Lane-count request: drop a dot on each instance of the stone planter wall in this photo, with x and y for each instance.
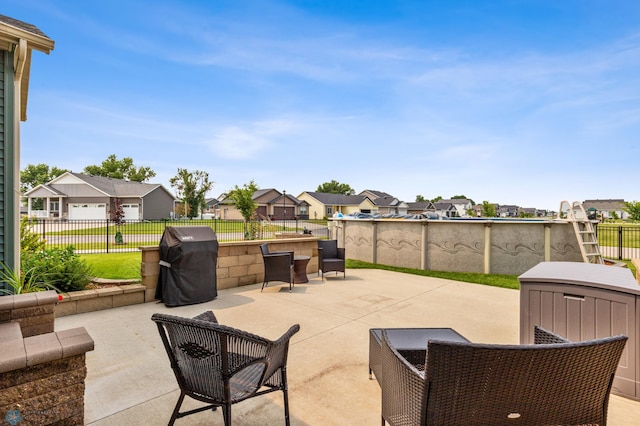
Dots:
(42, 372)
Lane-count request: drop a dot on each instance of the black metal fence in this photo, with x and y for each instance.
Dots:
(104, 236)
(619, 242)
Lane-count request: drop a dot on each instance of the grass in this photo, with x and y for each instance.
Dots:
(117, 266)
(504, 281)
(127, 266)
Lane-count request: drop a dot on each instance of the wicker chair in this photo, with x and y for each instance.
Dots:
(220, 365)
(551, 382)
(330, 257)
(278, 266)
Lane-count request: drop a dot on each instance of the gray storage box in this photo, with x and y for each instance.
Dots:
(583, 301)
(188, 261)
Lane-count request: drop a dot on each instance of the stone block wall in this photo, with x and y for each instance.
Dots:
(42, 372)
(239, 262)
(51, 393)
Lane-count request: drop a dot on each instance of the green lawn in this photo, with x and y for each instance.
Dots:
(118, 266)
(127, 266)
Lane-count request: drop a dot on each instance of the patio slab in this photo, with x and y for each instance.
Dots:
(130, 381)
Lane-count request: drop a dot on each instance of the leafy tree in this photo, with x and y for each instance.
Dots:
(633, 208)
(243, 199)
(34, 175)
(191, 188)
(335, 187)
(120, 169)
(488, 209)
(420, 199)
(435, 200)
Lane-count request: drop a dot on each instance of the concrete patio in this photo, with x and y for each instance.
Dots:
(130, 381)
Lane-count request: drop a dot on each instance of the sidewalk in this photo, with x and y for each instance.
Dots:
(130, 381)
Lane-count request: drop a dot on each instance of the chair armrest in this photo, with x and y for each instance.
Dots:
(280, 254)
(341, 253)
(403, 387)
(545, 337)
(278, 349)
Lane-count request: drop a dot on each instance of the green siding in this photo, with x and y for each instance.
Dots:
(8, 229)
(3, 57)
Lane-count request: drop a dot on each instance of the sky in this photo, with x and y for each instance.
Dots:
(525, 102)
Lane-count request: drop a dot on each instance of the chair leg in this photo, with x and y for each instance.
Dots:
(263, 284)
(285, 393)
(226, 413)
(176, 410)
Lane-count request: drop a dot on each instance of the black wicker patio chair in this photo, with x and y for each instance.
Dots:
(278, 266)
(221, 365)
(551, 382)
(331, 257)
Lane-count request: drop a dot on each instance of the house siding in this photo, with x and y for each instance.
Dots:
(2, 156)
(8, 254)
(157, 205)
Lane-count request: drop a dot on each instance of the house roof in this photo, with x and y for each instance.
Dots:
(337, 199)
(456, 201)
(377, 194)
(110, 187)
(24, 37)
(610, 204)
(422, 205)
(443, 205)
(118, 187)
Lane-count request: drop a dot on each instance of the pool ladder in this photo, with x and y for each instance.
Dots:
(583, 227)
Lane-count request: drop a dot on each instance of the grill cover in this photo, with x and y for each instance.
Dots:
(188, 259)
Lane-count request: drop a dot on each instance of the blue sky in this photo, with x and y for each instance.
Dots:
(523, 102)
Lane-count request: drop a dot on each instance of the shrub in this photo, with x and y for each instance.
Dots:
(57, 267)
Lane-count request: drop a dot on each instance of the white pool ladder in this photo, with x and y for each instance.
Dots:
(585, 233)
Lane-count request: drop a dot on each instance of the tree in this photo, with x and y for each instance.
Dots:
(120, 169)
(32, 176)
(243, 199)
(420, 199)
(435, 200)
(335, 187)
(488, 209)
(191, 188)
(633, 208)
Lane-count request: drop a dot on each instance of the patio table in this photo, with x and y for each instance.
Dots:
(409, 342)
(300, 269)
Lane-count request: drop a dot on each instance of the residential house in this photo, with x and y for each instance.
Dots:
(606, 209)
(385, 203)
(462, 206)
(18, 40)
(419, 207)
(508, 210)
(445, 209)
(77, 196)
(322, 204)
(272, 204)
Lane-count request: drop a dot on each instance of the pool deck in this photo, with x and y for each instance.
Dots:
(130, 382)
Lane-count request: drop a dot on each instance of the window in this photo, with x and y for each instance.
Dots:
(329, 211)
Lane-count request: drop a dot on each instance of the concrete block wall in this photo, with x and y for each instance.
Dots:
(239, 262)
(42, 372)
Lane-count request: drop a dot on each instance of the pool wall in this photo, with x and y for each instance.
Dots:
(482, 246)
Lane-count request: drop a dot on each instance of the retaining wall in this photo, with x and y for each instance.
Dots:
(481, 246)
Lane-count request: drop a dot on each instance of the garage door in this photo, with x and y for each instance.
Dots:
(87, 211)
(131, 211)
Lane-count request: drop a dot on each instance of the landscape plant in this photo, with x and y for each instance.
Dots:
(243, 199)
(20, 282)
(60, 268)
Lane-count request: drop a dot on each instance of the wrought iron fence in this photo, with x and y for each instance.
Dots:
(104, 236)
(619, 242)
